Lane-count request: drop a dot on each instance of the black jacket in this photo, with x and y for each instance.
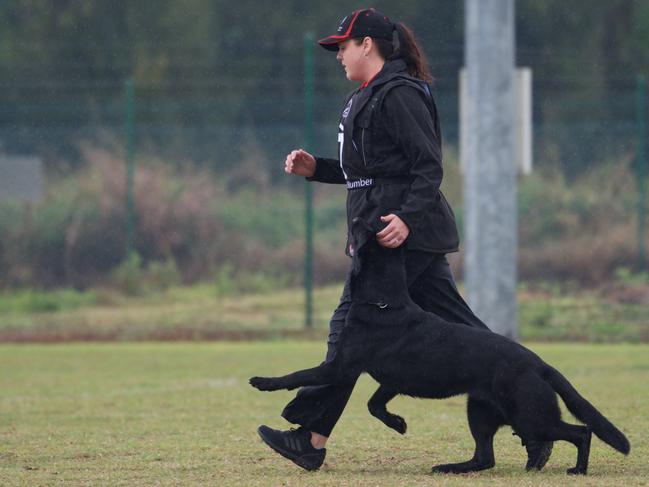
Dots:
(390, 146)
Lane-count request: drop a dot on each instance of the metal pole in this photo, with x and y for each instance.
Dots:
(308, 189)
(130, 149)
(490, 181)
(641, 166)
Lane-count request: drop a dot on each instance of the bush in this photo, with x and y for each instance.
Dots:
(28, 301)
(160, 276)
(191, 227)
(131, 277)
(127, 277)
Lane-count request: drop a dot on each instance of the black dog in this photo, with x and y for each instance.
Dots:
(412, 352)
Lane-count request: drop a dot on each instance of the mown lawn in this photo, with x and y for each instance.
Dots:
(545, 313)
(137, 414)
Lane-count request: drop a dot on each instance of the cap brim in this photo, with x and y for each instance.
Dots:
(331, 43)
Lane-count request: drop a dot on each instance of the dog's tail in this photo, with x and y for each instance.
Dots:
(585, 411)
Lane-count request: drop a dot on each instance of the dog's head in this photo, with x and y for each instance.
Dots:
(378, 273)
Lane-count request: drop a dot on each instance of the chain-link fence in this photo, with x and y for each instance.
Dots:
(233, 124)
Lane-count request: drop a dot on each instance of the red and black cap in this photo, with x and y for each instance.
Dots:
(359, 24)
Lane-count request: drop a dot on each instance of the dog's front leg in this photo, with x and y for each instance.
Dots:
(376, 405)
(323, 374)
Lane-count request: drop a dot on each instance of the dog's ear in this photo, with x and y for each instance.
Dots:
(361, 233)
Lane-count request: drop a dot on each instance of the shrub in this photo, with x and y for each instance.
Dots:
(191, 226)
(127, 276)
(28, 301)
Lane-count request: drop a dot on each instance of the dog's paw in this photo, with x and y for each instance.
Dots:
(263, 383)
(538, 454)
(577, 471)
(447, 468)
(397, 423)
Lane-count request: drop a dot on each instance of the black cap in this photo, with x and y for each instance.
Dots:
(359, 24)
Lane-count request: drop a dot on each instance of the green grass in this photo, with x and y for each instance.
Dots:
(584, 316)
(185, 312)
(546, 313)
(142, 414)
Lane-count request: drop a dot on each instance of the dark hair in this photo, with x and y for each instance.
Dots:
(407, 49)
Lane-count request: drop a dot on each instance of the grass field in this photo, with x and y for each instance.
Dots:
(547, 312)
(137, 414)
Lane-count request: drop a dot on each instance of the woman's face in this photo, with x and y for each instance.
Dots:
(352, 57)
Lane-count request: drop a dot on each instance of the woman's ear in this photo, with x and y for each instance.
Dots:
(368, 44)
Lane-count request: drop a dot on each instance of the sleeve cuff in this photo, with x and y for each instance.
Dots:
(406, 219)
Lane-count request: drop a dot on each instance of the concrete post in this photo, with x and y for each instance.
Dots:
(490, 180)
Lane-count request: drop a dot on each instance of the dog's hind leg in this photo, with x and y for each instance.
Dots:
(484, 421)
(579, 436)
(538, 454)
(582, 437)
(377, 404)
(531, 407)
(324, 374)
(535, 415)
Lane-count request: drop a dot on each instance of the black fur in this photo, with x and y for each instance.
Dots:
(412, 352)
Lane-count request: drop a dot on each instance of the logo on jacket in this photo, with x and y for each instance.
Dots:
(347, 108)
(360, 183)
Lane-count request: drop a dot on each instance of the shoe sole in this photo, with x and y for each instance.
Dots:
(286, 454)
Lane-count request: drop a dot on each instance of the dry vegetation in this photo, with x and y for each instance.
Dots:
(194, 226)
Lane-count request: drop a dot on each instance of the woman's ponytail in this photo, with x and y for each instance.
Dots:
(404, 46)
(409, 50)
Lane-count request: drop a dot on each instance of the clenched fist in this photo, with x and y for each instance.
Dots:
(300, 163)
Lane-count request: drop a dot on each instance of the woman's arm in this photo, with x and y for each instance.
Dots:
(301, 163)
(411, 125)
(328, 171)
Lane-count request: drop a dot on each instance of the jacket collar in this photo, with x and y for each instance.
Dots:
(389, 71)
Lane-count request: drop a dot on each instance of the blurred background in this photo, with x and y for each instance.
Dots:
(202, 100)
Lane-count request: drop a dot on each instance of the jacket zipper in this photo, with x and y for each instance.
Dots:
(363, 146)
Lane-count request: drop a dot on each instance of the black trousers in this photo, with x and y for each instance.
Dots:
(431, 286)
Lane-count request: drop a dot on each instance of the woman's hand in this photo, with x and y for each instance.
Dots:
(300, 163)
(394, 234)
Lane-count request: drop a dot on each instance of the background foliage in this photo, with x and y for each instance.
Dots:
(219, 103)
(216, 79)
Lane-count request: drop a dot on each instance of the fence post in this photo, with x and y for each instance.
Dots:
(641, 165)
(129, 155)
(308, 146)
(490, 178)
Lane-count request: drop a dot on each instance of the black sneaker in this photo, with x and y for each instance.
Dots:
(294, 444)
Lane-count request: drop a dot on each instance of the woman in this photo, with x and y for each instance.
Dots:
(390, 159)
